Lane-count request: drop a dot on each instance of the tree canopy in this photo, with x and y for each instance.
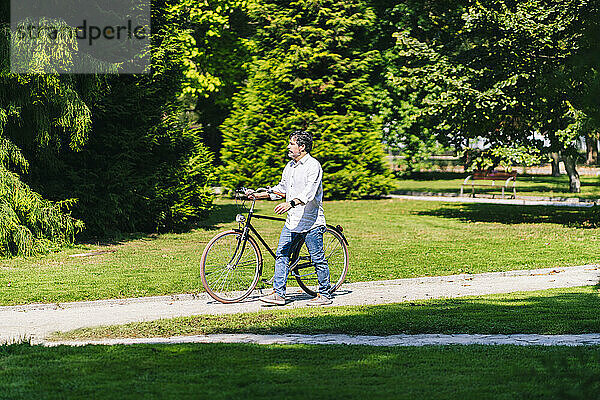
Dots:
(230, 79)
(509, 72)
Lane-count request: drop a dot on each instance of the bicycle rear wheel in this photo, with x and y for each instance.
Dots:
(230, 267)
(337, 256)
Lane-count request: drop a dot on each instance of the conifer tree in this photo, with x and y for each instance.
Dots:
(37, 114)
(117, 143)
(143, 168)
(313, 70)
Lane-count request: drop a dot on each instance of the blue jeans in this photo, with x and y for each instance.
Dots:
(288, 241)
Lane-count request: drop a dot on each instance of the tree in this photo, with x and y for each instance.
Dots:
(214, 38)
(144, 168)
(504, 75)
(38, 114)
(314, 70)
(405, 128)
(118, 144)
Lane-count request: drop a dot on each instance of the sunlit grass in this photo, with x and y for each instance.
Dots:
(388, 238)
(527, 185)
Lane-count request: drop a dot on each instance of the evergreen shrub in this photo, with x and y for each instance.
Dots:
(314, 70)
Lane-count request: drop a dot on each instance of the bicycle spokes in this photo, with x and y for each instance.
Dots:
(330, 248)
(336, 256)
(230, 266)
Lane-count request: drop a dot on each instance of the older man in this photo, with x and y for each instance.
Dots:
(301, 182)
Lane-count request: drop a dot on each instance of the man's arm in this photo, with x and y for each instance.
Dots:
(278, 189)
(285, 207)
(281, 188)
(315, 175)
(257, 195)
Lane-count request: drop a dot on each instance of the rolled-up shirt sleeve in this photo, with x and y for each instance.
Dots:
(313, 183)
(281, 187)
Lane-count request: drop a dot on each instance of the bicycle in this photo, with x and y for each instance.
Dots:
(232, 262)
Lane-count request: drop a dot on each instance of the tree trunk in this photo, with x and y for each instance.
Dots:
(555, 163)
(570, 165)
(591, 143)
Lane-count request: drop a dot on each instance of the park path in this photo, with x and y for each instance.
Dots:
(590, 339)
(521, 201)
(36, 321)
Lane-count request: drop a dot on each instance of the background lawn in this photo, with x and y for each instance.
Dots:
(227, 371)
(527, 185)
(388, 239)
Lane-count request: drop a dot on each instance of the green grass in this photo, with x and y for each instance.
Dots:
(557, 311)
(235, 371)
(527, 185)
(388, 239)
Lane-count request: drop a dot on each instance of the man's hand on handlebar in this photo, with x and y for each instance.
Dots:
(256, 194)
(266, 193)
(261, 193)
(249, 193)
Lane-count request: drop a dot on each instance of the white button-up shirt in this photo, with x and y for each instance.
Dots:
(302, 180)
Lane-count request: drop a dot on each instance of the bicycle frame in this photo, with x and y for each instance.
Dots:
(249, 228)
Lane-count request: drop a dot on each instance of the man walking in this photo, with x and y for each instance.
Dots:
(301, 182)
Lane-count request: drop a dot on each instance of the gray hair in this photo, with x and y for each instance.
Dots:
(303, 138)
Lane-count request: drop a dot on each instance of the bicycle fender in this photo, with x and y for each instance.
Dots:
(339, 229)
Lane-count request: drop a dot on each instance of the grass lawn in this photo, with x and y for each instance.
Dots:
(527, 185)
(388, 239)
(556, 311)
(227, 371)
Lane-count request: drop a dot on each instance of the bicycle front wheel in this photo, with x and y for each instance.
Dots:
(337, 256)
(230, 267)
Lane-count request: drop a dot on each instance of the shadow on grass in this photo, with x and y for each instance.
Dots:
(118, 238)
(220, 214)
(439, 175)
(434, 176)
(585, 218)
(226, 371)
(562, 313)
(557, 311)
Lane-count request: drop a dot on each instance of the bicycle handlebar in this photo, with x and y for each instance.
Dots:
(242, 190)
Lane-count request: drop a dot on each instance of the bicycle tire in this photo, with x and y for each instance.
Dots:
(338, 259)
(220, 261)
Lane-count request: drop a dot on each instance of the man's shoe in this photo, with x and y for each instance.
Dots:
(319, 301)
(273, 298)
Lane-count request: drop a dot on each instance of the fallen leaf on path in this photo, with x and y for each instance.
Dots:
(554, 271)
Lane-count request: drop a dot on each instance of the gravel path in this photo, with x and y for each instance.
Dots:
(36, 321)
(592, 339)
(453, 198)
